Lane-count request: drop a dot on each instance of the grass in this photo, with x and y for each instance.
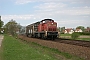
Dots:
(67, 55)
(55, 52)
(68, 36)
(15, 49)
(85, 39)
(65, 34)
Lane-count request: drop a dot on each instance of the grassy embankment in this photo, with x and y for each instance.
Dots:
(68, 36)
(15, 49)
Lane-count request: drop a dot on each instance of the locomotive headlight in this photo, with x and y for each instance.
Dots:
(52, 23)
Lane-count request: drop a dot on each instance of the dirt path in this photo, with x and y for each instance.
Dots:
(1, 38)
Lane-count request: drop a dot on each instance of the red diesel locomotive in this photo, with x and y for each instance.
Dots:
(44, 29)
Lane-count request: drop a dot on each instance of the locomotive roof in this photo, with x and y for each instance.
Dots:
(40, 21)
(34, 23)
(47, 19)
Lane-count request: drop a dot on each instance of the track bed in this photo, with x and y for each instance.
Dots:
(74, 42)
(82, 51)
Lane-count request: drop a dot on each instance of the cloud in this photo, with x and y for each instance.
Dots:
(17, 17)
(51, 5)
(23, 1)
(71, 1)
(58, 7)
(29, 19)
(65, 12)
(55, 10)
(73, 23)
(23, 19)
(75, 12)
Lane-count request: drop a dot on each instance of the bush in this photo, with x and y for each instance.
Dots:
(75, 35)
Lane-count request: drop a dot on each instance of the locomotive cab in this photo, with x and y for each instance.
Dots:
(49, 27)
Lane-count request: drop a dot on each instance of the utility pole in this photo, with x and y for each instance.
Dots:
(0, 21)
(0, 18)
(1, 24)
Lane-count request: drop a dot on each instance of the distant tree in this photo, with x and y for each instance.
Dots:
(19, 27)
(62, 29)
(22, 30)
(81, 27)
(12, 27)
(58, 29)
(88, 27)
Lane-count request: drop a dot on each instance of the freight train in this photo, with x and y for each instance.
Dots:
(45, 29)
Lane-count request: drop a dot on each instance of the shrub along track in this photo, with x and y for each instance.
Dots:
(81, 51)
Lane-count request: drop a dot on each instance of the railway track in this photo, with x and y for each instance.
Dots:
(74, 42)
(71, 42)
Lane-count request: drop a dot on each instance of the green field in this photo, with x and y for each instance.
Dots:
(85, 39)
(15, 49)
(68, 36)
(65, 34)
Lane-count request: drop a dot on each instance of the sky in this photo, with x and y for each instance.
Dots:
(67, 13)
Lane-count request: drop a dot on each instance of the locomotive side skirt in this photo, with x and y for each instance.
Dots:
(52, 35)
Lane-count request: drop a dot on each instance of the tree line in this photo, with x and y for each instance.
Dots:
(12, 27)
(78, 27)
